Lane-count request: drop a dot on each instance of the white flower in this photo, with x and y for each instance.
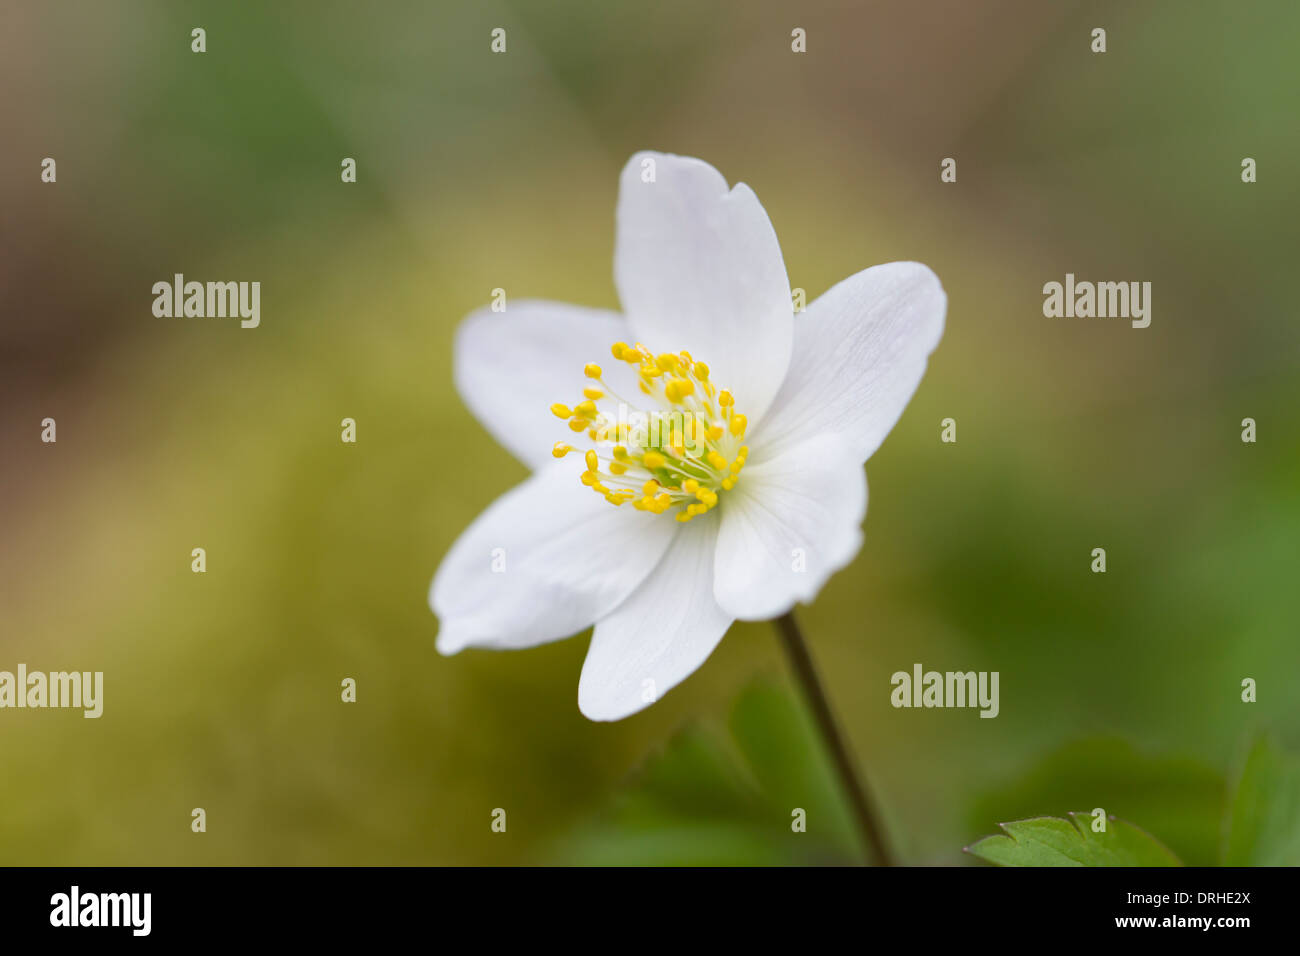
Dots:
(662, 546)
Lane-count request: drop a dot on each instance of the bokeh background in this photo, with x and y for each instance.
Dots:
(479, 171)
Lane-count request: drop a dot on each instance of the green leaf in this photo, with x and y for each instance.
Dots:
(785, 754)
(1053, 841)
(719, 796)
(1264, 816)
(1183, 797)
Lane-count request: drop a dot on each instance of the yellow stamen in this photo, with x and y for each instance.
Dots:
(682, 448)
(678, 389)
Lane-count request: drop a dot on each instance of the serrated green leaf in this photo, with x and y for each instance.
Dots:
(1264, 816)
(1185, 795)
(1054, 841)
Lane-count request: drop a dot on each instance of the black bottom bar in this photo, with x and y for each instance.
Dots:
(589, 906)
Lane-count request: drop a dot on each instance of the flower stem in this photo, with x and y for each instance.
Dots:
(796, 649)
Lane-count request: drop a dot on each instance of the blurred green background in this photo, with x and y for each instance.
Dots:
(479, 171)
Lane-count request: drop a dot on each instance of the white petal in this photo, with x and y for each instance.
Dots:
(788, 525)
(570, 557)
(661, 634)
(859, 353)
(698, 267)
(512, 366)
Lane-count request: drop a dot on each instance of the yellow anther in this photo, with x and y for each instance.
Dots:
(715, 432)
(594, 394)
(744, 452)
(561, 411)
(593, 462)
(701, 371)
(716, 460)
(617, 469)
(663, 500)
(577, 424)
(683, 517)
(590, 479)
(678, 389)
(618, 349)
(650, 487)
(592, 370)
(690, 486)
(561, 449)
(666, 362)
(654, 460)
(728, 483)
(738, 423)
(725, 399)
(620, 453)
(587, 409)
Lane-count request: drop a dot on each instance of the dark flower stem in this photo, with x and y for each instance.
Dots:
(796, 648)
